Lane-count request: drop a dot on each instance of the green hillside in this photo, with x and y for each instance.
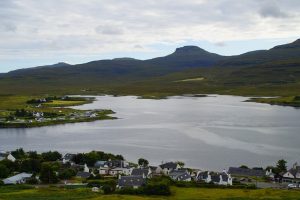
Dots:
(266, 72)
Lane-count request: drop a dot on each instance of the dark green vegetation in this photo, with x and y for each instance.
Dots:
(29, 111)
(189, 70)
(283, 101)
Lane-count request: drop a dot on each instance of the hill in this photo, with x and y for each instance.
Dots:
(189, 69)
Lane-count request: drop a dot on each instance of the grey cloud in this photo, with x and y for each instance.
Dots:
(272, 10)
(109, 30)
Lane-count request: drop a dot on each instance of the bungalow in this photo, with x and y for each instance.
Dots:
(166, 168)
(17, 179)
(131, 181)
(292, 175)
(245, 172)
(180, 175)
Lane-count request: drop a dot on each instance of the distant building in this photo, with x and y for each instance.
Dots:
(68, 157)
(7, 155)
(180, 175)
(292, 175)
(216, 178)
(145, 172)
(83, 175)
(245, 172)
(131, 181)
(17, 179)
(166, 168)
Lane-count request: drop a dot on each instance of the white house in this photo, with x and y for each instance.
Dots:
(17, 179)
(180, 175)
(292, 175)
(6, 155)
(131, 181)
(217, 178)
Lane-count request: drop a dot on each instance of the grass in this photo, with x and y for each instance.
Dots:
(60, 103)
(53, 193)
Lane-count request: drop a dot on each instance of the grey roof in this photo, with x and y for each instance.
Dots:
(131, 181)
(294, 170)
(184, 176)
(69, 156)
(83, 174)
(140, 172)
(100, 163)
(246, 172)
(202, 175)
(224, 177)
(215, 178)
(169, 165)
(115, 163)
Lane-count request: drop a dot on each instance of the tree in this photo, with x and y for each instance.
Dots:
(180, 163)
(143, 162)
(51, 156)
(244, 167)
(67, 174)
(48, 174)
(281, 166)
(4, 171)
(18, 153)
(30, 165)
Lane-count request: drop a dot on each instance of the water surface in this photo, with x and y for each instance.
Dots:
(205, 132)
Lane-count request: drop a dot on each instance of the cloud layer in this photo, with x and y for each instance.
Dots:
(33, 28)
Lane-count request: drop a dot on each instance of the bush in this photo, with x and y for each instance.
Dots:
(156, 189)
(107, 189)
(4, 171)
(32, 181)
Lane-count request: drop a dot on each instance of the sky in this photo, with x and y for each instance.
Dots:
(35, 32)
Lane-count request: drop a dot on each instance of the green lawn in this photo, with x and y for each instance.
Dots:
(61, 103)
(12, 193)
(284, 101)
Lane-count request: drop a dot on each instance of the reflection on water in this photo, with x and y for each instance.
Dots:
(211, 132)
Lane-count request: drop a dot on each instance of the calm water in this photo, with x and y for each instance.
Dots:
(209, 133)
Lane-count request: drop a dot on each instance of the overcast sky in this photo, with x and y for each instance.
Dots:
(39, 32)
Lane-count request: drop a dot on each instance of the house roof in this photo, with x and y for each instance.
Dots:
(83, 174)
(294, 170)
(140, 172)
(69, 156)
(131, 181)
(246, 172)
(169, 165)
(202, 175)
(215, 178)
(17, 178)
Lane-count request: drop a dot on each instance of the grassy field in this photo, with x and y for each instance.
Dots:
(53, 193)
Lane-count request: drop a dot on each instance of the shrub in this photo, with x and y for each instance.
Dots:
(107, 189)
(156, 189)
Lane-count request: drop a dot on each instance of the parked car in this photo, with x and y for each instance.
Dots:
(291, 185)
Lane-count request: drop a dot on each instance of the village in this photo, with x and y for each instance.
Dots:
(51, 111)
(112, 173)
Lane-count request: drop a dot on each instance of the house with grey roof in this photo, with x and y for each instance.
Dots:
(180, 175)
(245, 172)
(214, 177)
(83, 175)
(68, 157)
(166, 168)
(17, 179)
(131, 181)
(292, 175)
(141, 172)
